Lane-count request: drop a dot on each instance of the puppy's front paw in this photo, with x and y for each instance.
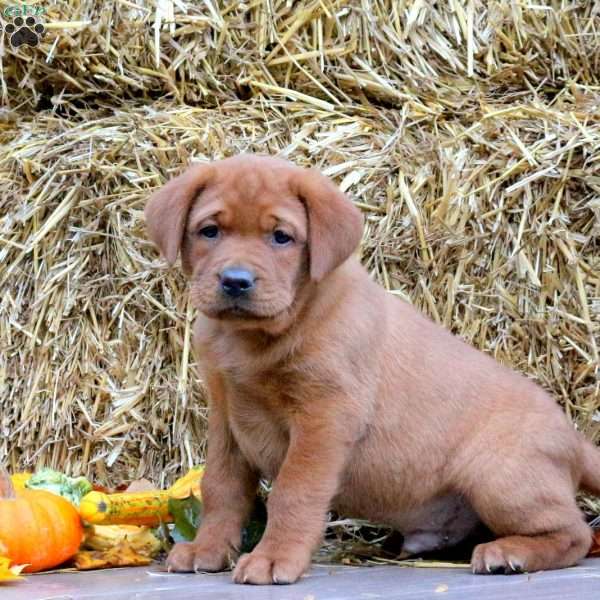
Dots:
(190, 557)
(264, 568)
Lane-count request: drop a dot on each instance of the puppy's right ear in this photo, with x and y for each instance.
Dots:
(167, 210)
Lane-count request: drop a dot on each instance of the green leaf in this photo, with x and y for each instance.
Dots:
(163, 533)
(186, 514)
(253, 532)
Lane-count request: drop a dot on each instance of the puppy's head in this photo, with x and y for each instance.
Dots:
(252, 232)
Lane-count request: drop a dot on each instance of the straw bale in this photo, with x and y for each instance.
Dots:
(467, 132)
(335, 50)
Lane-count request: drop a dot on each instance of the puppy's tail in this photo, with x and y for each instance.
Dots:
(590, 479)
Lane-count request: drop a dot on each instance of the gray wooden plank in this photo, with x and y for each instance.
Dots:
(323, 583)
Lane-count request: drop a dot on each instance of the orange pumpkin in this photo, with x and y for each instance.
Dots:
(37, 528)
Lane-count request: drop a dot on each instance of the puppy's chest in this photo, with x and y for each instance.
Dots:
(259, 418)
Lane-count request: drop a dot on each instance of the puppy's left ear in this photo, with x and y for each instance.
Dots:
(167, 210)
(334, 224)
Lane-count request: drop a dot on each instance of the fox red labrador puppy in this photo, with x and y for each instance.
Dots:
(345, 396)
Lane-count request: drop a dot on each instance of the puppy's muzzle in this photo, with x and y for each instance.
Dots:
(236, 282)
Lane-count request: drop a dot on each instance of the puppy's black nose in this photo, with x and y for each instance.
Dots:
(236, 281)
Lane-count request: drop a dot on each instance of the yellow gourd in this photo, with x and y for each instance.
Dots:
(20, 479)
(188, 484)
(138, 508)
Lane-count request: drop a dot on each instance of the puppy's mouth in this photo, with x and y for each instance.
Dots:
(239, 311)
(246, 308)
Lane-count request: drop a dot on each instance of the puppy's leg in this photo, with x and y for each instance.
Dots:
(228, 492)
(537, 518)
(298, 503)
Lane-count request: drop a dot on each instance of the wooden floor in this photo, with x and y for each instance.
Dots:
(323, 583)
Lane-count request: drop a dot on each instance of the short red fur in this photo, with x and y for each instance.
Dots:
(348, 398)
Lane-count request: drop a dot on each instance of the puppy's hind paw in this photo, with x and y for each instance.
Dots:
(493, 559)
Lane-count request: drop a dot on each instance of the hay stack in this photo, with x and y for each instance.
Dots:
(467, 132)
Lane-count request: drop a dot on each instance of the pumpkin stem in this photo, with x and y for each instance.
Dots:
(7, 489)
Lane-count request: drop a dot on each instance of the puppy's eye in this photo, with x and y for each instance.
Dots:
(281, 237)
(210, 231)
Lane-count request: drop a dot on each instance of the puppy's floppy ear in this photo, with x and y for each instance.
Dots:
(167, 210)
(334, 224)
